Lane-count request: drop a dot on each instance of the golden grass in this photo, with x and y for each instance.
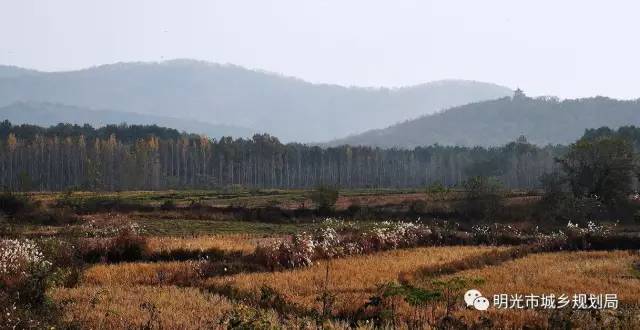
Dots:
(120, 307)
(165, 307)
(559, 273)
(353, 279)
(143, 273)
(563, 273)
(112, 296)
(244, 243)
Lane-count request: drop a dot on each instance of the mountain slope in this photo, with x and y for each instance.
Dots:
(490, 123)
(285, 107)
(7, 71)
(48, 114)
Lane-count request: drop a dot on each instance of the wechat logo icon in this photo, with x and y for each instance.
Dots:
(474, 298)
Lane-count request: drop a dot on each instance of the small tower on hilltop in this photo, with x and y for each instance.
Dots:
(519, 95)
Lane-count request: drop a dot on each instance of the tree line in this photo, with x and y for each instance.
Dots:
(121, 157)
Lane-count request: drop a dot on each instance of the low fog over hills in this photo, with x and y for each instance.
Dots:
(289, 108)
(542, 121)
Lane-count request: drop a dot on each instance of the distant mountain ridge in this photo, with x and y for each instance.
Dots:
(543, 120)
(7, 71)
(289, 108)
(49, 114)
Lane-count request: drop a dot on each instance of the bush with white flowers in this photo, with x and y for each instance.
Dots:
(335, 239)
(591, 228)
(18, 257)
(496, 234)
(24, 271)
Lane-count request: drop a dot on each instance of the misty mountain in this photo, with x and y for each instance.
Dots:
(49, 114)
(14, 71)
(543, 120)
(288, 108)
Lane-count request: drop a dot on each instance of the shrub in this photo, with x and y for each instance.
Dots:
(168, 205)
(579, 238)
(354, 209)
(101, 204)
(325, 198)
(336, 238)
(127, 246)
(418, 207)
(592, 236)
(24, 209)
(112, 242)
(16, 316)
(559, 205)
(111, 227)
(12, 204)
(391, 235)
(8, 229)
(123, 247)
(436, 188)
(497, 234)
(23, 271)
(437, 191)
(484, 198)
(61, 216)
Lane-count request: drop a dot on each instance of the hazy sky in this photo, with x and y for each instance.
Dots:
(569, 48)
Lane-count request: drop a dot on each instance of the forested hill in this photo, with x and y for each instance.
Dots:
(50, 114)
(491, 123)
(292, 109)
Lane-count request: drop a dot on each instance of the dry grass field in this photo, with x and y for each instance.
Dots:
(127, 306)
(173, 271)
(162, 307)
(568, 273)
(244, 243)
(353, 280)
(143, 273)
(126, 294)
(564, 273)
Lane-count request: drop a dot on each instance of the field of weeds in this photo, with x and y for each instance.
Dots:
(359, 291)
(132, 267)
(350, 281)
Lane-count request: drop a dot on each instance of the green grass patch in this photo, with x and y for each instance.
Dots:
(178, 227)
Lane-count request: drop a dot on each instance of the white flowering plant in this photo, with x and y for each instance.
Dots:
(496, 234)
(591, 228)
(24, 270)
(116, 225)
(18, 256)
(328, 242)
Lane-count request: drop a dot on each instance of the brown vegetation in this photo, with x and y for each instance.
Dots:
(158, 307)
(182, 273)
(563, 273)
(243, 243)
(352, 279)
